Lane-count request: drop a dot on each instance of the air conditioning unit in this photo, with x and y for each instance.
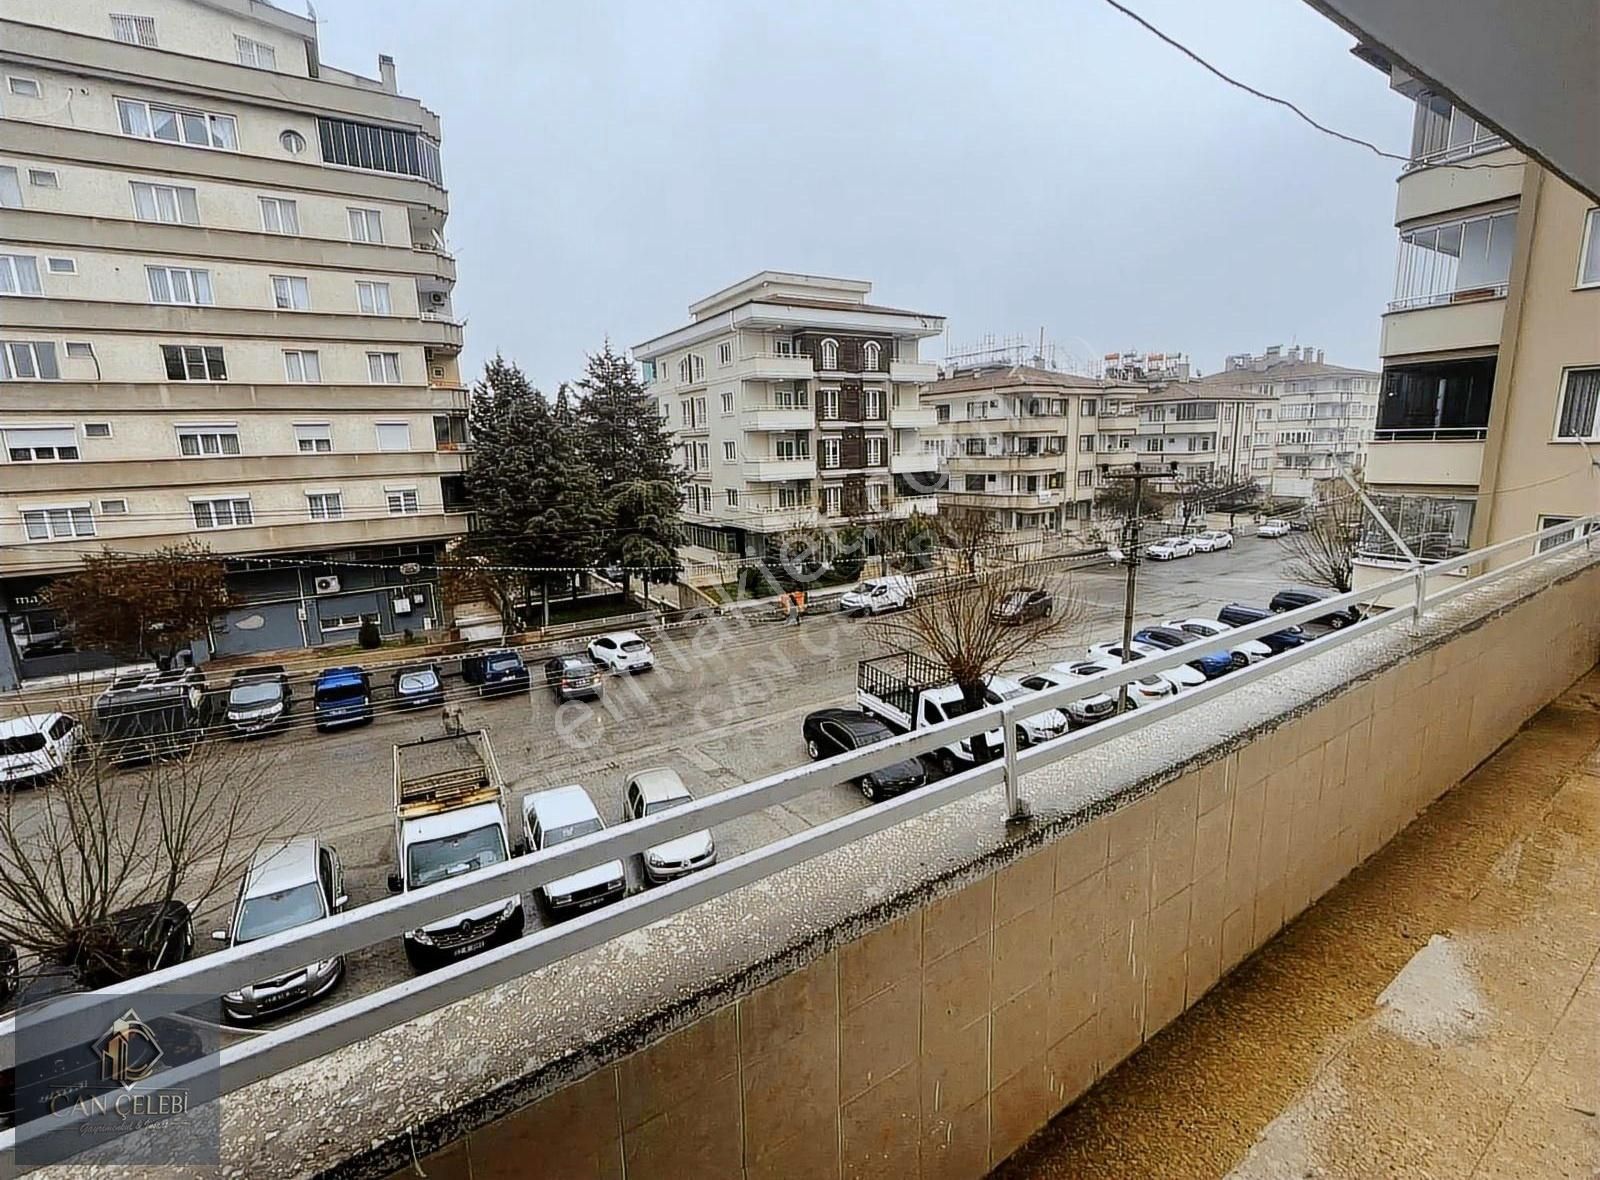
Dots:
(435, 297)
(327, 584)
(402, 606)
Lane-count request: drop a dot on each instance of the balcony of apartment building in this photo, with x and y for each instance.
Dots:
(918, 372)
(1450, 285)
(906, 412)
(911, 460)
(1443, 134)
(786, 365)
(1432, 420)
(787, 408)
(784, 459)
(1433, 527)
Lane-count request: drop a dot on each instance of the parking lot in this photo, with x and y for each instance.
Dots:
(723, 707)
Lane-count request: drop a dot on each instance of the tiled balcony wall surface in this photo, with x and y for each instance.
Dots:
(919, 1003)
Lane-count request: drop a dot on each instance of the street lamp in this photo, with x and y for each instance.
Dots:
(1138, 473)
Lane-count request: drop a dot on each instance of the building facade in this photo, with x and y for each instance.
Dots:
(793, 403)
(225, 315)
(1216, 434)
(1490, 402)
(1324, 415)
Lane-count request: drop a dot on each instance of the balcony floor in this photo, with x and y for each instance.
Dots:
(1436, 1016)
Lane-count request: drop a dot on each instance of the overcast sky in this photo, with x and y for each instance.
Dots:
(1010, 165)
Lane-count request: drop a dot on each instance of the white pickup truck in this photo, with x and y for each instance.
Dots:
(906, 691)
(450, 819)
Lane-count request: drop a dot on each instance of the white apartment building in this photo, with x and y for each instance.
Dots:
(1324, 414)
(1216, 434)
(793, 403)
(225, 314)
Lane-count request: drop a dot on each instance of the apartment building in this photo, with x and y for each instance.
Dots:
(225, 315)
(1490, 404)
(1216, 434)
(1324, 413)
(1022, 442)
(792, 401)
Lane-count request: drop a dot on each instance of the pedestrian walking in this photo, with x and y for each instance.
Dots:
(792, 609)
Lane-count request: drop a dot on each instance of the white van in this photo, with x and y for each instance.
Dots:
(876, 595)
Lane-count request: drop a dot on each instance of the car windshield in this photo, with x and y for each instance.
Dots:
(504, 664)
(418, 681)
(1016, 599)
(576, 668)
(584, 827)
(1007, 692)
(23, 743)
(342, 694)
(656, 806)
(263, 692)
(635, 645)
(450, 856)
(274, 912)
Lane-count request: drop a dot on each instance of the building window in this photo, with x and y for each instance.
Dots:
(366, 225)
(733, 497)
(1589, 264)
(302, 366)
(313, 438)
(792, 448)
(378, 149)
(691, 368)
(325, 505)
(10, 188)
(28, 360)
(449, 432)
(870, 352)
(41, 444)
(172, 204)
(372, 298)
(1580, 406)
(874, 452)
(97, 430)
(1153, 445)
(830, 354)
(291, 293)
(973, 483)
(292, 142)
(208, 440)
(729, 452)
(702, 456)
(1086, 444)
(179, 284)
(783, 347)
(1437, 401)
(280, 215)
(1194, 412)
(61, 266)
(23, 87)
(725, 353)
(1440, 131)
(872, 404)
(830, 403)
(256, 54)
(976, 446)
(1086, 479)
(832, 499)
(1453, 261)
(134, 30)
(394, 436)
(727, 403)
(150, 120)
(56, 524)
(230, 513)
(19, 275)
(118, 507)
(44, 178)
(401, 501)
(941, 413)
(194, 362)
(830, 452)
(1087, 407)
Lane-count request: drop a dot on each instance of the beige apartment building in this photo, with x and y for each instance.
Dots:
(792, 402)
(1490, 404)
(1216, 434)
(225, 315)
(1324, 415)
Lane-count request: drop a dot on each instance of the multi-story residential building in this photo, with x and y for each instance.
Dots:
(1490, 400)
(1022, 442)
(1216, 434)
(793, 403)
(1324, 414)
(225, 315)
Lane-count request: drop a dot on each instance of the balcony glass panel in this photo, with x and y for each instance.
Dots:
(1440, 131)
(1454, 261)
(1441, 401)
(1433, 527)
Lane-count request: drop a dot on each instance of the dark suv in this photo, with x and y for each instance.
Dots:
(1285, 600)
(572, 676)
(1237, 614)
(494, 672)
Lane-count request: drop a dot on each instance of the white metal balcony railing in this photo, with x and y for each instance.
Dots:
(323, 1030)
(1430, 434)
(1450, 298)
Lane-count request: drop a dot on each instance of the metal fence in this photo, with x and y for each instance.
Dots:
(334, 1026)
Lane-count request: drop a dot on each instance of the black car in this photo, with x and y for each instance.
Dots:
(837, 731)
(1237, 614)
(1211, 665)
(259, 699)
(1294, 599)
(418, 687)
(572, 676)
(495, 672)
(1023, 605)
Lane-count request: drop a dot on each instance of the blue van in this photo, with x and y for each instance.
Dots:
(342, 696)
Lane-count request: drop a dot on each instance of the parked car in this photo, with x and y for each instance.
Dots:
(571, 676)
(1023, 605)
(1212, 540)
(259, 699)
(1237, 614)
(151, 935)
(1170, 548)
(288, 884)
(622, 651)
(1115, 555)
(1145, 690)
(1273, 528)
(1181, 677)
(1211, 664)
(650, 792)
(1080, 713)
(558, 816)
(36, 748)
(1043, 726)
(418, 687)
(828, 732)
(909, 691)
(495, 672)
(1251, 649)
(152, 714)
(876, 595)
(342, 696)
(1285, 600)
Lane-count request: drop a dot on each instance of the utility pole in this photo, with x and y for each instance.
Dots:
(1131, 556)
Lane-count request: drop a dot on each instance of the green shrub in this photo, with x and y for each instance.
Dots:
(369, 636)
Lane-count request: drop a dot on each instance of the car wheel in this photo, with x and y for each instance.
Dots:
(947, 763)
(813, 749)
(869, 789)
(1336, 621)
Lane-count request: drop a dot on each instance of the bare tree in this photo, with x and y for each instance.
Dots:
(1323, 553)
(969, 532)
(78, 854)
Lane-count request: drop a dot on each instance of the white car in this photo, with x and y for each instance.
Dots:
(622, 651)
(1273, 528)
(1146, 690)
(1212, 540)
(1170, 548)
(1081, 712)
(36, 747)
(1251, 649)
(650, 792)
(567, 813)
(1037, 727)
(1181, 677)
